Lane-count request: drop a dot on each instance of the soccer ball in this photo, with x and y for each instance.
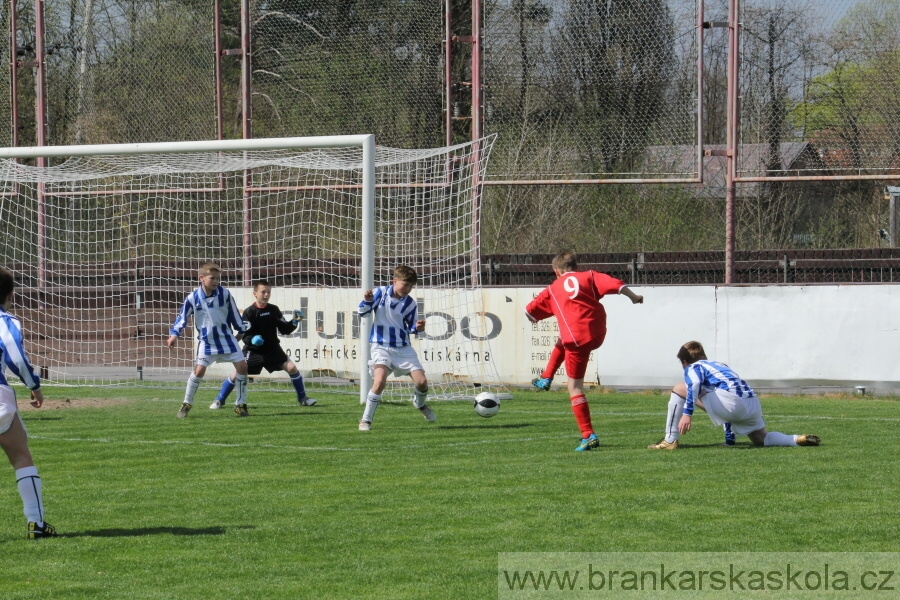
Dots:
(487, 404)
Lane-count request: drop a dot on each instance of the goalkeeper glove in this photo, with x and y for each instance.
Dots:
(257, 340)
(298, 316)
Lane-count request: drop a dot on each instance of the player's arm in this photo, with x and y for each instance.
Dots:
(235, 320)
(539, 308)
(368, 302)
(284, 326)
(692, 380)
(412, 321)
(635, 298)
(177, 328)
(16, 359)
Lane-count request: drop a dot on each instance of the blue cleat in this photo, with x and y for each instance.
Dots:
(729, 435)
(542, 383)
(589, 443)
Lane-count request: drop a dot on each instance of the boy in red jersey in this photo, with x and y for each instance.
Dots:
(574, 299)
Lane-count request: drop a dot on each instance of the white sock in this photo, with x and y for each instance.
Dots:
(673, 415)
(774, 438)
(240, 384)
(419, 399)
(30, 488)
(192, 385)
(372, 401)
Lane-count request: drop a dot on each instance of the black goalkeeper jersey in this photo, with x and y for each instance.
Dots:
(266, 322)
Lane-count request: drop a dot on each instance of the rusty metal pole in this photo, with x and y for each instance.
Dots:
(14, 73)
(217, 45)
(700, 72)
(247, 133)
(448, 74)
(40, 82)
(731, 141)
(477, 133)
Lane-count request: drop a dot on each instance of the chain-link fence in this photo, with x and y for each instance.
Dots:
(329, 68)
(578, 90)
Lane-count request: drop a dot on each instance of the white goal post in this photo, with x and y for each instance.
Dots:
(106, 244)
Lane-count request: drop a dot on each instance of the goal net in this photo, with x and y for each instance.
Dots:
(106, 246)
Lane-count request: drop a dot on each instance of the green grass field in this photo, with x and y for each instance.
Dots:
(296, 503)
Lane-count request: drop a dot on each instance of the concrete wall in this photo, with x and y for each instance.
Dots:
(773, 336)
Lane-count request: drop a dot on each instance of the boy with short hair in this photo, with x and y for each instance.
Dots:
(574, 299)
(13, 437)
(725, 398)
(262, 348)
(395, 316)
(215, 315)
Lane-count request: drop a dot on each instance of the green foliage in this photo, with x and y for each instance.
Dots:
(296, 503)
(603, 218)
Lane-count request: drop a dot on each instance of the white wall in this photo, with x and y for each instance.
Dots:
(773, 336)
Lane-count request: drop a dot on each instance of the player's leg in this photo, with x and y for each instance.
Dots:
(379, 380)
(729, 434)
(673, 414)
(761, 437)
(240, 384)
(14, 441)
(297, 381)
(224, 392)
(557, 357)
(421, 394)
(576, 366)
(193, 385)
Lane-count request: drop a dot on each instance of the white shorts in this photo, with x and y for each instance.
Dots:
(8, 408)
(744, 414)
(401, 361)
(208, 359)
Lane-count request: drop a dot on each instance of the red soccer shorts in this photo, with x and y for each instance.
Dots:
(577, 359)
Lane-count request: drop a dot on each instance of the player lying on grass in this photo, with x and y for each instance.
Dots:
(395, 318)
(558, 355)
(574, 299)
(13, 437)
(715, 388)
(262, 348)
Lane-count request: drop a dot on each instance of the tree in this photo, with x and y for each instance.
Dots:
(611, 68)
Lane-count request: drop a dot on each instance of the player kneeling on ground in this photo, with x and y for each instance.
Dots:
(390, 351)
(262, 347)
(726, 398)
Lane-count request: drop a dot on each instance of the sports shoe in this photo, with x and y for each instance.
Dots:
(365, 425)
(36, 532)
(307, 401)
(428, 413)
(542, 383)
(216, 405)
(589, 443)
(240, 410)
(184, 410)
(729, 435)
(807, 439)
(664, 445)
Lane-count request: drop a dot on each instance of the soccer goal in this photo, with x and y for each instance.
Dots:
(106, 242)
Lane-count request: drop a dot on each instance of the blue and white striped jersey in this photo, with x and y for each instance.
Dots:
(12, 352)
(710, 375)
(395, 318)
(214, 318)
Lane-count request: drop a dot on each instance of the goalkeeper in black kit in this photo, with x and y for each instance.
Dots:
(263, 322)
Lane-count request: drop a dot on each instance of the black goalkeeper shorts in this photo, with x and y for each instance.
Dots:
(272, 361)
